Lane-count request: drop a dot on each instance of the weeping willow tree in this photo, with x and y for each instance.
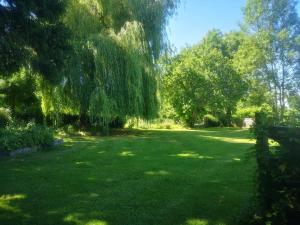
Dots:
(111, 72)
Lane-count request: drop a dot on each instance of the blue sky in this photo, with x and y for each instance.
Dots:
(195, 18)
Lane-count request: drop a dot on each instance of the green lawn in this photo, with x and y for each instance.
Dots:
(154, 177)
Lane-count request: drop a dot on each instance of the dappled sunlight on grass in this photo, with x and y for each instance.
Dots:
(160, 172)
(83, 164)
(94, 195)
(231, 140)
(205, 157)
(5, 202)
(273, 143)
(192, 155)
(96, 222)
(236, 159)
(188, 155)
(126, 180)
(76, 218)
(127, 153)
(12, 197)
(196, 222)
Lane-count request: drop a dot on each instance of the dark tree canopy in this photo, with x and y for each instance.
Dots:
(32, 33)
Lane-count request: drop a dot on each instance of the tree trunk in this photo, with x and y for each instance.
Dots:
(282, 94)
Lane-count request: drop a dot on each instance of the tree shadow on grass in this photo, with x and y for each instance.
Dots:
(164, 178)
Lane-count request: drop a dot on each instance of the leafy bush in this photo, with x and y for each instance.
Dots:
(5, 117)
(15, 137)
(211, 121)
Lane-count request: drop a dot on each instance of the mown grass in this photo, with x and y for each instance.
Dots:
(156, 177)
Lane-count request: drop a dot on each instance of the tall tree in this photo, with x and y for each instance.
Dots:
(111, 73)
(202, 79)
(276, 26)
(186, 87)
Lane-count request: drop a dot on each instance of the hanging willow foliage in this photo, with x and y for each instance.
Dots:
(152, 14)
(111, 71)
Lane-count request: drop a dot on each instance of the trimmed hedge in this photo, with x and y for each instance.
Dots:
(31, 135)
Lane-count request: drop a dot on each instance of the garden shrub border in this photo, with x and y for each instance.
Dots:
(28, 150)
(22, 139)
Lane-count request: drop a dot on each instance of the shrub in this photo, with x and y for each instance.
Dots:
(5, 117)
(15, 137)
(211, 121)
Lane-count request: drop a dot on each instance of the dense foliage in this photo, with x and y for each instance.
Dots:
(203, 80)
(17, 93)
(32, 33)
(15, 137)
(234, 75)
(95, 63)
(275, 25)
(92, 60)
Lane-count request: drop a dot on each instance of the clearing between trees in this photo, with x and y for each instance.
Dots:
(192, 177)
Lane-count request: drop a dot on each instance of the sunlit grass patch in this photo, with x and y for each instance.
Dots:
(6, 200)
(192, 155)
(160, 172)
(76, 218)
(150, 177)
(196, 222)
(127, 153)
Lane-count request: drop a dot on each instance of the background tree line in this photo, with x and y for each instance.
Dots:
(227, 77)
(97, 63)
